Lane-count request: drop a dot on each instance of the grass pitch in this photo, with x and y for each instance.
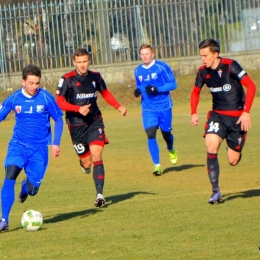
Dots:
(145, 217)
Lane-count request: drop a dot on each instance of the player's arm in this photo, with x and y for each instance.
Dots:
(111, 100)
(237, 72)
(168, 77)
(66, 106)
(250, 93)
(58, 129)
(5, 108)
(137, 91)
(245, 119)
(194, 101)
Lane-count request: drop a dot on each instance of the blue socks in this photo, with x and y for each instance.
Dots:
(154, 150)
(7, 197)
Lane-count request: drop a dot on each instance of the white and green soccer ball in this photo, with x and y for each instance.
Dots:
(32, 220)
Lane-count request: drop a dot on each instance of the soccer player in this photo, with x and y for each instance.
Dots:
(77, 94)
(229, 118)
(28, 148)
(154, 81)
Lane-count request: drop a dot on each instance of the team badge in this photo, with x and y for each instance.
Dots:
(154, 76)
(100, 131)
(40, 108)
(239, 140)
(94, 83)
(18, 109)
(140, 78)
(220, 73)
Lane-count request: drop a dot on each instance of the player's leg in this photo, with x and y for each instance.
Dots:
(165, 123)
(213, 143)
(235, 141)
(79, 137)
(35, 170)
(14, 163)
(86, 162)
(98, 172)
(214, 135)
(96, 141)
(150, 123)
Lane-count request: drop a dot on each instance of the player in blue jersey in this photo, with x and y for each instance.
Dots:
(154, 81)
(28, 148)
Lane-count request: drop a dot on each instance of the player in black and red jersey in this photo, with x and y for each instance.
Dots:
(229, 118)
(77, 94)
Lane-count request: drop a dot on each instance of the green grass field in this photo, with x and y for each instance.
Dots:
(145, 217)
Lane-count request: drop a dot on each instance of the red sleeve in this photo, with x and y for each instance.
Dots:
(194, 99)
(250, 93)
(64, 105)
(110, 99)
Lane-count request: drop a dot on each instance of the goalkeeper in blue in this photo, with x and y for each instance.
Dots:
(154, 82)
(28, 147)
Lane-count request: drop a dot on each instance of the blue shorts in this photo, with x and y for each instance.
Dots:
(33, 159)
(162, 119)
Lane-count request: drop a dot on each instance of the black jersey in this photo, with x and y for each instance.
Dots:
(224, 84)
(81, 90)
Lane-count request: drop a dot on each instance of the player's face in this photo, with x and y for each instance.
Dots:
(147, 56)
(209, 59)
(82, 63)
(31, 84)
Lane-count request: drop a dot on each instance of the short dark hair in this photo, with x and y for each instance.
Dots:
(31, 70)
(146, 46)
(211, 43)
(80, 52)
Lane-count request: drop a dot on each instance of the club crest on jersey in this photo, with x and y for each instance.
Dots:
(154, 76)
(94, 83)
(239, 140)
(220, 73)
(100, 131)
(18, 109)
(140, 78)
(40, 108)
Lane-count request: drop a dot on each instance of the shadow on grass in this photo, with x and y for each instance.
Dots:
(85, 213)
(181, 167)
(242, 194)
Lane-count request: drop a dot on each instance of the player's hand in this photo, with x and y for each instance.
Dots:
(194, 120)
(55, 151)
(122, 110)
(137, 92)
(84, 110)
(151, 89)
(245, 121)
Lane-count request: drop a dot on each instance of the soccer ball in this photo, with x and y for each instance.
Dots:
(32, 220)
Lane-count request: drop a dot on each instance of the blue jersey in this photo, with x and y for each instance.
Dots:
(159, 75)
(32, 114)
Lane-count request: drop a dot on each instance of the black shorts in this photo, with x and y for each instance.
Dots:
(83, 136)
(226, 128)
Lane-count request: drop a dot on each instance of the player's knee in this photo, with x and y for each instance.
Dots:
(151, 132)
(166, 135)
(235, 161)
(12, 172)
(32, 190)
